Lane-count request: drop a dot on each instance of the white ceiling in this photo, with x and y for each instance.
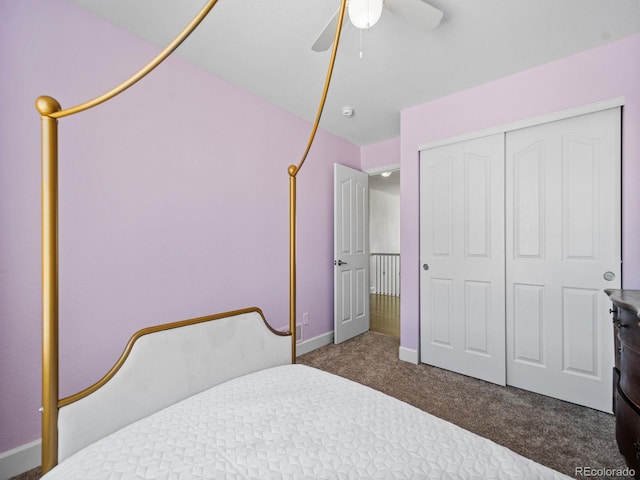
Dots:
(264, 46)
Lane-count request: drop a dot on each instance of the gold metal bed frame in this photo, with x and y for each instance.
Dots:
(50, 111)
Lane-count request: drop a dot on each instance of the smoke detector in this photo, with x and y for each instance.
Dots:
(347, 111)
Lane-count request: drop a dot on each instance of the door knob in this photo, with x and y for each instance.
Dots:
(339, 262)
(609, 276)
(425, 266)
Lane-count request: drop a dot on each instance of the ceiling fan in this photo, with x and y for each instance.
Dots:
(364, 14)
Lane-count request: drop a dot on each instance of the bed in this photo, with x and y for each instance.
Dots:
(221, 396)
(262, 417)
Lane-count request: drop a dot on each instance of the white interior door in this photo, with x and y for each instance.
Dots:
(351, 253)
(462, 316)
(563, 235)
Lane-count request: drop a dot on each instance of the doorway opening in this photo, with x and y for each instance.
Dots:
(384, 245)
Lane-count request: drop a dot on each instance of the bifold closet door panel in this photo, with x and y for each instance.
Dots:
(462, 324)
(563, 240)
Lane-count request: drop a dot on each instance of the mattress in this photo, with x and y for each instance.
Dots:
(294, 422)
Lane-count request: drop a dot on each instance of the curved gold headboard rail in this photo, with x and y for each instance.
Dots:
(159, 328)
(163, 365)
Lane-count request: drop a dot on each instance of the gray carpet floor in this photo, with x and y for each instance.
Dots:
(558, 434)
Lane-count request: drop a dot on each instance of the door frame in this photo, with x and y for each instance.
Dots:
(392, 167)
(616, 102)
(527, 122)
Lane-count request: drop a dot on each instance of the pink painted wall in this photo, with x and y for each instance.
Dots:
(173, 201)
(380, 155)
(599, 74)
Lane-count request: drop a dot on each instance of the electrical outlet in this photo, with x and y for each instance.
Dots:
(305, 319)
(299, 332)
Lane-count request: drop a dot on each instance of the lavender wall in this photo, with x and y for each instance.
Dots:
(599, 74)
(380, 155)
(173, 201)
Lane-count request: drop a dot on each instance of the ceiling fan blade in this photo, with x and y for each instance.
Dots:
(325, 40)
(417, 13)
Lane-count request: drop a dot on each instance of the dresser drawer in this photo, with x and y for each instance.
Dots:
(628, 431)
(616, 347)
(629, 330)
(630, 373)
(616, 382)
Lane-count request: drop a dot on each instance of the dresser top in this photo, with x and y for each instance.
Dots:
(628, 299)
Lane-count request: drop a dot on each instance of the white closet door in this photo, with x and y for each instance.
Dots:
(462, 321)
(563, 236)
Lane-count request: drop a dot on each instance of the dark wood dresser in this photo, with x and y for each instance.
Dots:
(626, 373)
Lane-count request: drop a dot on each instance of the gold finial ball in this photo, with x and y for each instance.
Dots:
(47, 105)
(292, 170)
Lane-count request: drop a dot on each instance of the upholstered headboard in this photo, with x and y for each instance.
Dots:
(165, 364)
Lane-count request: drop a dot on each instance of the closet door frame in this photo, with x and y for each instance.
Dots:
(527, 122)
(506, 128)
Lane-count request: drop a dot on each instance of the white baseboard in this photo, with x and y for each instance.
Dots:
(408, 355)
(20, 459)
(313, 343)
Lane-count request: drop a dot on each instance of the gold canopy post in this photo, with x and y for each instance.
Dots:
(50, 111)
(292, 260)
(47, 106)
(293, 172)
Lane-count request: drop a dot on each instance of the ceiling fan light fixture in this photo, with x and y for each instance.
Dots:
(364, 13)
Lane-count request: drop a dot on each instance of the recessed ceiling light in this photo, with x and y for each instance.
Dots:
(347, 111)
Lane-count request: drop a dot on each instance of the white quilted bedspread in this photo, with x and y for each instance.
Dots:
(294, 422)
